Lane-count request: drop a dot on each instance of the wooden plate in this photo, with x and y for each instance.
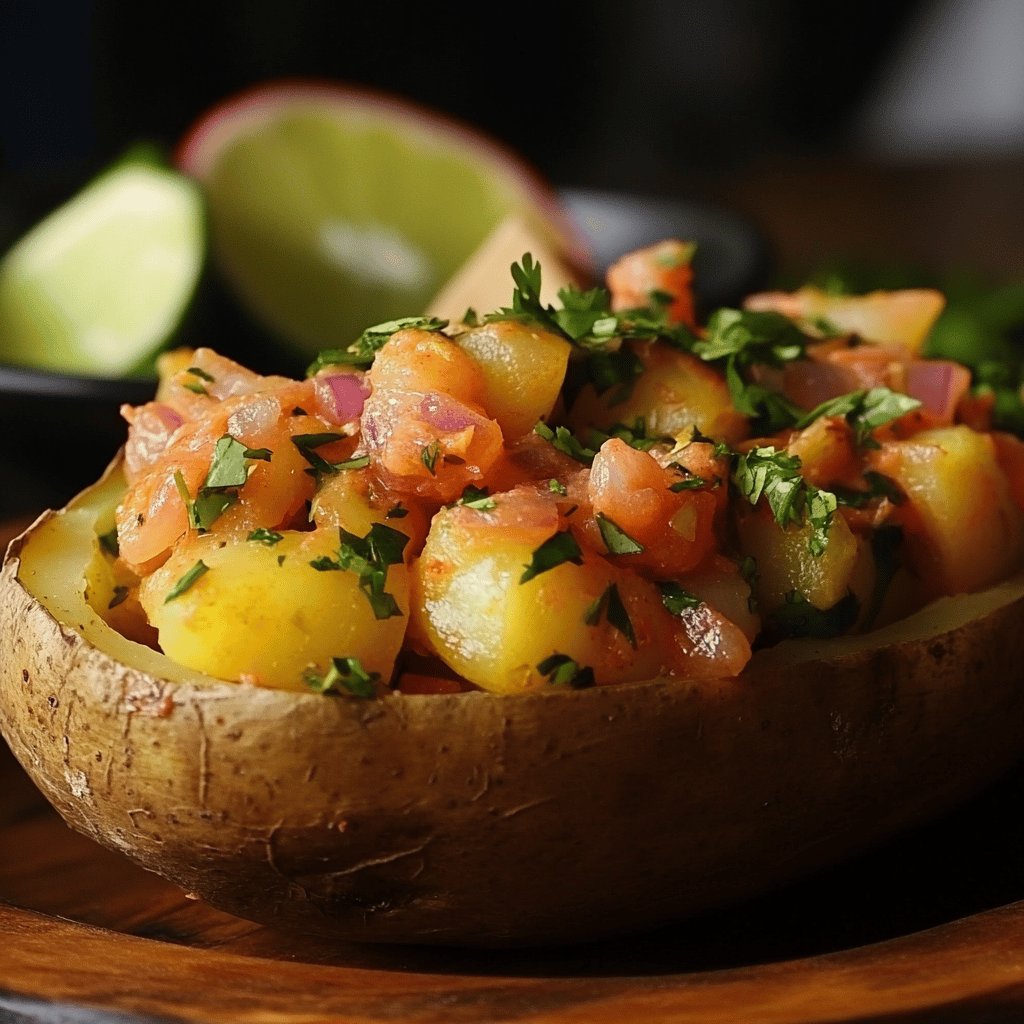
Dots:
(927, 929)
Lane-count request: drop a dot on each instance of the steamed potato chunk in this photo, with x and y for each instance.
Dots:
(263, 614)
(960, 516)
(473, 608)
(675, 393)
(523, 369)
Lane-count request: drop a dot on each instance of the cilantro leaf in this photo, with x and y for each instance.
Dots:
(306, 445)
(108, 542)
(676, 599)
(558, 548)
(397, 511)
(562, 670)
(775, 475)
(616, 540)
(344, 675)
(610, 603)
(863, 410)
(364, 349)
(119, 596)
(428, 456)
(261, 535)
(562, 440)
(475, 497)
(369, 557)
(187, 580)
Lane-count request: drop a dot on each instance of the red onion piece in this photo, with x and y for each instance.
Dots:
(939, 385)
(340, 396)
(446, 413)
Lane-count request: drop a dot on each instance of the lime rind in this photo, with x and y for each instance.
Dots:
(103, 282)
(331, 210)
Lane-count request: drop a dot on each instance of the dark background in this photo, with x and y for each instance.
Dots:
(612, 93)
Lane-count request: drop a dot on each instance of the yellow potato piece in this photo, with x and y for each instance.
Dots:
(972, 528)
(523, 369)
(263, 614)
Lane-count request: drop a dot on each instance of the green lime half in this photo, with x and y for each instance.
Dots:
(103, 282)
(332, 209)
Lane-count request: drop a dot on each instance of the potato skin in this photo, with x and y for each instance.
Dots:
(481, 819)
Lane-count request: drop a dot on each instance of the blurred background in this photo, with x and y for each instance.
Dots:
(882, 141)
(760, 104)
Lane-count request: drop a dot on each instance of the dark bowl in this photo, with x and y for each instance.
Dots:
(62, 429)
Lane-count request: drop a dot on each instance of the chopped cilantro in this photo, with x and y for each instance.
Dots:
(562, 440)
(197, 371)
(475, 497)
(558, 548)
(261, 535)
(345, 675)
(611, 604)
(195, 387)
(108, 541)
(775, 475)
(398, 511)
(306, 445)
(428, 456)
(676, 599)
(616, 540)
(878, 487)
(557, 487)
(369, 557)
(187, 580)
(365, 348)
(863, 410)
(561, 670)
(120, 594)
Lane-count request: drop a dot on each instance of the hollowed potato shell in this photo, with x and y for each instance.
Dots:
(488, 820)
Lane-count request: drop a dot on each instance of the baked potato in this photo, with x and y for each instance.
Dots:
(501, 808)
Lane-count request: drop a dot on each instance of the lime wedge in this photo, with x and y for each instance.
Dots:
(333, 208)
(103, 282)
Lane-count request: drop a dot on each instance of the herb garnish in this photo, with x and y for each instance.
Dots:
(562, 440)
(187, 580)
(397, 511)
(428, 456)
(261, 535)
(558, 548)
(120, 594)
(796, 616)
(775, 475)
(864, 411)
(478, 498)
(616, 540)
(369, 557)
(228, 471)
(676, 599)
(345, 675)
(611, 604)
(108, 541)
(364, 349)
(561, 670)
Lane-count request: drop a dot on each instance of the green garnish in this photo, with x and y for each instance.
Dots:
(878, 487)
(120, 593)
(398, 511)
(616, 540)
(562, 440)
(676, 599)
(345, 675)
(108, 541)
(364, 349)
(197, 371)
(610, 602)
(428, 456)
(864, 411)
(561, 670)
(187, 580)
(475, 497)
(558, 548)
(195, 387)
(557, 487)
(745, 338)
(318, 465)
(369, 557)
(261, 535)
(635, 436)
(775, 475)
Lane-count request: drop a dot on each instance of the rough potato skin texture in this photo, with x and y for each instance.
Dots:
(485, 820)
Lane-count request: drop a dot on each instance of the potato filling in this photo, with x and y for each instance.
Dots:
(596, 493)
